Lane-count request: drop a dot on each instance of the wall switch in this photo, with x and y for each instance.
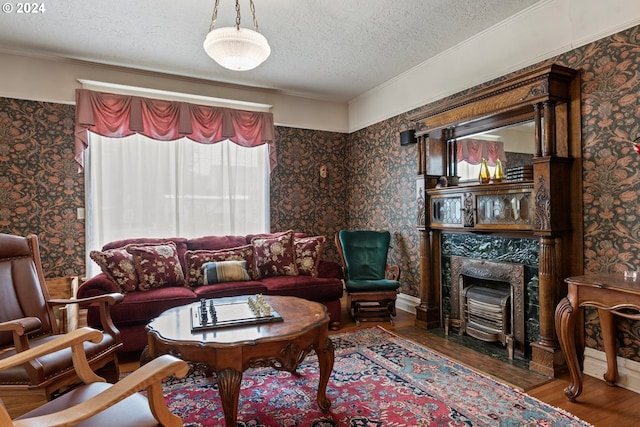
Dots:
(80, 213)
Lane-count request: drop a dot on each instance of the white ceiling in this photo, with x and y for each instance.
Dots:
(324, 49)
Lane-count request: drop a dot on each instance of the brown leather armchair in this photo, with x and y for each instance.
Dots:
(96, 403)
(28, 320)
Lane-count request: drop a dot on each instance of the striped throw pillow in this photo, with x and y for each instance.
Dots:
(224, 271)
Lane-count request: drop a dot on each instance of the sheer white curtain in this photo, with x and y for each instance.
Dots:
(139, 187)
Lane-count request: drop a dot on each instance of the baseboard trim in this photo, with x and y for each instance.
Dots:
(407, 303)
(595, 365)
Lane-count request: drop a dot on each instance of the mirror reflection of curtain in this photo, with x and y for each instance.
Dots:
(473, 151)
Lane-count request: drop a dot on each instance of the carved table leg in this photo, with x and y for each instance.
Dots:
(325, 361)
(566, 328)
(145, 357)
(229, 381)
(608, 324)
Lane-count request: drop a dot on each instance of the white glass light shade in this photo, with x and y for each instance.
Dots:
(237, 49)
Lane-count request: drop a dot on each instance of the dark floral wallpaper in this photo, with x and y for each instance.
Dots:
(40, 188)
(370, 181)
(301, 199)
(611, 185)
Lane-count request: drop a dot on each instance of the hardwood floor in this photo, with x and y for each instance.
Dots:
(599, 404)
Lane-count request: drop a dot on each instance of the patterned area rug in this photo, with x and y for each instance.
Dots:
(378, 379)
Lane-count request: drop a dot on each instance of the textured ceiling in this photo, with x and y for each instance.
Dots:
(324, 49)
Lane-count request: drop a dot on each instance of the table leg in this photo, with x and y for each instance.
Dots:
(565, 319)
(325, 354)
(229, 381)
(608, 325)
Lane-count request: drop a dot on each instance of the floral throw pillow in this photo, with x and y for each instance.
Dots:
(194, 260)
(308, 253)
(117, 264)
(157, 265)
(275, 255)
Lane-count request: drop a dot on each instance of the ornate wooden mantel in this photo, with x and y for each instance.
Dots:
(550, 96)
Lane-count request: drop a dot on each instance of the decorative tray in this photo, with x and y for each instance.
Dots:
(255, 310)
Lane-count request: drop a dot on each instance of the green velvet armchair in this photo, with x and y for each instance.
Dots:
(371, 284)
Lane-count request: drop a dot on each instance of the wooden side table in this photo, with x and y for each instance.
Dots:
(64, 288)
(613, 295)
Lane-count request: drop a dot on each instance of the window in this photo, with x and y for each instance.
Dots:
(139, 187)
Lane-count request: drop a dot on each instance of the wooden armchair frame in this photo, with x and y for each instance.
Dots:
(62, 411)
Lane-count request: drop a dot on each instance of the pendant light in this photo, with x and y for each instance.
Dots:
(235, 48)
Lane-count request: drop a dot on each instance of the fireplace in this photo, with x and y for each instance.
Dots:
(549, 96)
(487, 302)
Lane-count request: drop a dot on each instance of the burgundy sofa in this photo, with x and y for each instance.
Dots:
(313, 279)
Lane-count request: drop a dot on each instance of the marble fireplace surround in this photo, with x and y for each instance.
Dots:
(497, 250)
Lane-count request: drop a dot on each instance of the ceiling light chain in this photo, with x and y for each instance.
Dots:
(253, 13)
(214, 17)
(236, 48)
(237, 14)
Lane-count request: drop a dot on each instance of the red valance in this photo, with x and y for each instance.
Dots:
(122, 115)
(473, 150)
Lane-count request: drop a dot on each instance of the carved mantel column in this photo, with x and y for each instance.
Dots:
(431, 166)
(428, 312)
(548, 277)
(546, 355)
(549, 140)
(551, 225)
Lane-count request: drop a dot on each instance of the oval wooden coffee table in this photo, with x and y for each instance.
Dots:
(231, 350)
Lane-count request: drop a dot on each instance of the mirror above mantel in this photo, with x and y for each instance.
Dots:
(534, 95)
(512, 144)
